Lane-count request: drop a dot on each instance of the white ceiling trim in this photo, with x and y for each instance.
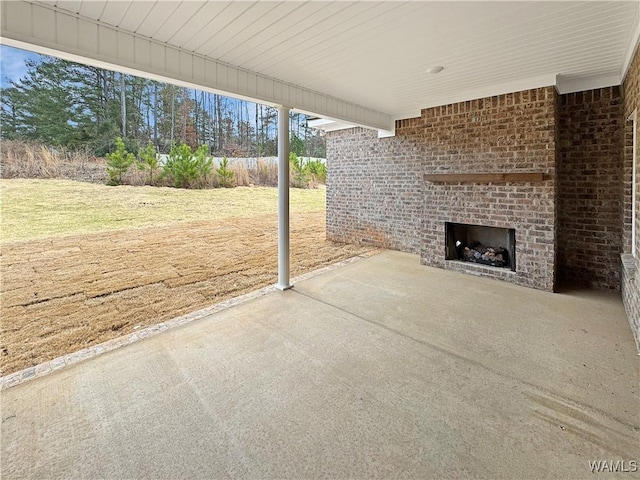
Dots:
(328, 125)
(631, 50)
(48, 29)
(490, 91)
(579, 84)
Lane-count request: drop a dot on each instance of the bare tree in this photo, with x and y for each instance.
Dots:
(123, 105)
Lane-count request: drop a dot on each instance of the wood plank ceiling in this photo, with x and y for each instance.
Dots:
(376, 54)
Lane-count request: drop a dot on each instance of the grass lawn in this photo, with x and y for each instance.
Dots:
(34, 209)
(78, 269)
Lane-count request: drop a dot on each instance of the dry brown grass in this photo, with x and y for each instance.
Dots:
(20, 159)
(265, 173)
(241, 175)
(26, 160)
(63, 294)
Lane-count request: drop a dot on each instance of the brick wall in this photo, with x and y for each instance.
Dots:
(627, 188)
(631, 266)
(589, 187)
(631, 295)
(374, 188)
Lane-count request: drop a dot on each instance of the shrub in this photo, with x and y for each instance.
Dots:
(300, 171)
(318, 170)
(20, 159)
(204, 165)
(188, 169)
(118, 163)
(149, 161)
(225, 174)
(180, 167)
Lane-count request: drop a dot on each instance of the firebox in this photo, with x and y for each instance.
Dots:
(481, 244)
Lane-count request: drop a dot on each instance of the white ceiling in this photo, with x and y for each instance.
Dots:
(376, 54)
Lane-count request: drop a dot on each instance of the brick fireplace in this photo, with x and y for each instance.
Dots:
(544, 165)
(492, 162)
(488, 162)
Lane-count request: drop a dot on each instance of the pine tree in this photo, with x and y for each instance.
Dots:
(11, 108)
(118, 163)
(48, 114)
(149, 160)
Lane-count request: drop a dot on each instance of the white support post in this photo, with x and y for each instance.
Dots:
(283, 199)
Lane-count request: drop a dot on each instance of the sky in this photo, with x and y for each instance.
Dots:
(12, 63)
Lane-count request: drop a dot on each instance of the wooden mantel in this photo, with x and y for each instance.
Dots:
(483, 177)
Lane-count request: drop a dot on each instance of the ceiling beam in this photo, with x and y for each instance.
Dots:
(46, 29)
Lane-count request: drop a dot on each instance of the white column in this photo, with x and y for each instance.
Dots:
(283, 199)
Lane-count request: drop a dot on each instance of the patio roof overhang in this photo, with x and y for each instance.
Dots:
(50, 28)
(355, 62)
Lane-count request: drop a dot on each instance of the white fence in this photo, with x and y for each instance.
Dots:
(248, 162)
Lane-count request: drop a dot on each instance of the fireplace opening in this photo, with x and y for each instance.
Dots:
(480, 244)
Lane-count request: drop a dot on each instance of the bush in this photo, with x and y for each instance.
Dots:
(19, 159)
(149, 161)
(118, 163)
(188, 169)
(300, 171)
(225, 174)
(318, 170)
(204, 165)
(179, 167)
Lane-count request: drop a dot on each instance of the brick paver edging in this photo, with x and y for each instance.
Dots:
(56, 364)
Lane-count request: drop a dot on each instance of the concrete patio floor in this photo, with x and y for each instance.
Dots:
(380, 368)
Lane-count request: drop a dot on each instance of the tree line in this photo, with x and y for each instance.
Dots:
(79, 106)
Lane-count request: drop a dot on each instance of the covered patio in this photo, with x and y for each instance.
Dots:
(384, 367)
(379, 368)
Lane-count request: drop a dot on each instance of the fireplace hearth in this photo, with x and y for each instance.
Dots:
(481, 244)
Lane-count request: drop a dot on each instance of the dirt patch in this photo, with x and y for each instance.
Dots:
(60, 295)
